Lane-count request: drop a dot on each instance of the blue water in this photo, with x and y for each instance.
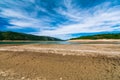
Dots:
(36, 42)
(54, 42)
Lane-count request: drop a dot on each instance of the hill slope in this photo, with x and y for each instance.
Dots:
(21, 36)
(100, 36)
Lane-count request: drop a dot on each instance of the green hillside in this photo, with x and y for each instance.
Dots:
(9, 35)
(100, 36)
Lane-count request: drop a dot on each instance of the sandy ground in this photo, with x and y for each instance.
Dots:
(97, 40)
(60, 62)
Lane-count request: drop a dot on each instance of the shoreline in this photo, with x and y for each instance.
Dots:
(22, 41)
(76, 40)
(97, 40)
(63, 49)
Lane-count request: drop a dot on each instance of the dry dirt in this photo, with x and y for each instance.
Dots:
(60, 62)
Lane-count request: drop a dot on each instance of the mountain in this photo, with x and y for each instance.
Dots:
(9, 35)
(100, 36)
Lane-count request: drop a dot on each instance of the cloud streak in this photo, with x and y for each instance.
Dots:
(61, 18)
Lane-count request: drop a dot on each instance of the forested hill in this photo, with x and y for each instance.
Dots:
(100, 36)
(9, 35)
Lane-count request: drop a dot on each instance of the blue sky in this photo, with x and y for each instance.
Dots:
(60, 18)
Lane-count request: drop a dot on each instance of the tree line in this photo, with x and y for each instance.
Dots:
(9, 35)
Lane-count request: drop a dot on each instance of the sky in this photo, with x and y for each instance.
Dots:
(63, 19)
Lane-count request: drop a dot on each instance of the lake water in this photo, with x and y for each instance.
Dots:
(36, 42)
(54, 42)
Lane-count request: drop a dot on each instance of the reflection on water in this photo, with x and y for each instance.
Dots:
(54, 42)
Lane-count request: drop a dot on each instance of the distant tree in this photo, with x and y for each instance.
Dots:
(1, 37)
(21, 36)
(100, 36)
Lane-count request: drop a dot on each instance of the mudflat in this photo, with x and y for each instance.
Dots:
(60, 62)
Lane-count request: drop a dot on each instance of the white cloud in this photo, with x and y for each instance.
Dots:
(102, 19)
(11, 13)
(95, 19)
(20, 18)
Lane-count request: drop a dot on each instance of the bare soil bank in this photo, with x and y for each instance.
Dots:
(60, 62)
(97, 40)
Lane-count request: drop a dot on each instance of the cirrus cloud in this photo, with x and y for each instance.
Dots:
(62, 18)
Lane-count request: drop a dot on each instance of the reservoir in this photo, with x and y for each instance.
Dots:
(54, 42)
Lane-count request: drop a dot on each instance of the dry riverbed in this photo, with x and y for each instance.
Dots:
(60, 62)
